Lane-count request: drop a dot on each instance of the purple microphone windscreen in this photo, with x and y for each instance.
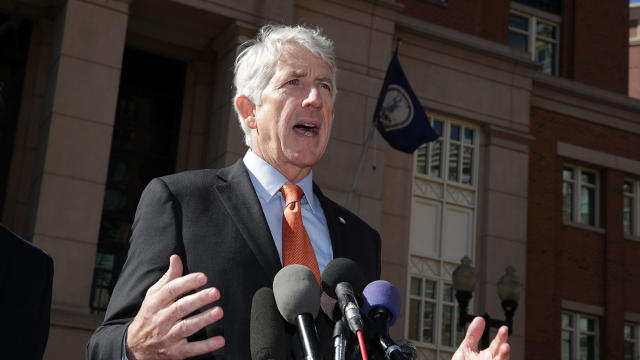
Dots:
(381, 293)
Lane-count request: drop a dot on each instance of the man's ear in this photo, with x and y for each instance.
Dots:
(247, 110)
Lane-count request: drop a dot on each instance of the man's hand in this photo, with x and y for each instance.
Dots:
(497, 350)
(160, 329)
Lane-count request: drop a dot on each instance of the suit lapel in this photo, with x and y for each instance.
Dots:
(239, 198)
(336, 228)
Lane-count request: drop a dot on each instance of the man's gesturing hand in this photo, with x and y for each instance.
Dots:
(160, 329)
(497, 350)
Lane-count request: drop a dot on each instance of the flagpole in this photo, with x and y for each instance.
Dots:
(365, 147)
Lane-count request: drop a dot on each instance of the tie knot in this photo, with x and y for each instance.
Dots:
(291, 193)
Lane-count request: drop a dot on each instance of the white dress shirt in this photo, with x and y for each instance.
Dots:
(267, 182)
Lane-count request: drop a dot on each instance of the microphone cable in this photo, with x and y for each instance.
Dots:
(363, 349)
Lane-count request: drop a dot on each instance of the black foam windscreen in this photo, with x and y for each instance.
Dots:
(267, 335)
(408, 349)
(342, 270)
(296, 292)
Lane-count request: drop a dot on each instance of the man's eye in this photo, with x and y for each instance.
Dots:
(326, 86)
(293, 82)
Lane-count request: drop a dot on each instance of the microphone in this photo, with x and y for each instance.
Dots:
(342, 270)
(297, 297)
(340, 333)
(382, 303)
(349, 306)
(351, 313)
(267, 337)
(339, 278)
(408, 349)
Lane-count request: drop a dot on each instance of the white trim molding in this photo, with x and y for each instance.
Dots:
(631, 316)
(582, 308)
(599, 158)
(596, 229)
(466, 41)
(585, 102)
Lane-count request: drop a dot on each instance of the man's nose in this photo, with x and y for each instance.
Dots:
(313, 98)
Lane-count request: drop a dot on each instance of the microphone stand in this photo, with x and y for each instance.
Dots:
(340, 333)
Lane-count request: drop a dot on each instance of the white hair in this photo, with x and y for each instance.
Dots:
(255, 64)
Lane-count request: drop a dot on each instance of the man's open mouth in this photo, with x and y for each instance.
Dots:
(306, 129)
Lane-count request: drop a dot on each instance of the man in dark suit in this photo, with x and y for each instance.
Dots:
(225, 227)
(224, 224)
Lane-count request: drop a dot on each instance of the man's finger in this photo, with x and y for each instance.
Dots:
(174, 272)
(503, 352)
(193, 302)
(191, 325)
(175, 267)
(171, 291)
(474, 333)
(189, 349)
(501, 338)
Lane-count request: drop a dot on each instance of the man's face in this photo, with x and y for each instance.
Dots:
(293, 123)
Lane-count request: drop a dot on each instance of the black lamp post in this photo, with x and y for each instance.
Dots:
(509, 288)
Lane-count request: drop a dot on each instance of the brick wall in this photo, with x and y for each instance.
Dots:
(569, 263)
(594, 34)
(599, 48)
(485, 19)
(632, 276)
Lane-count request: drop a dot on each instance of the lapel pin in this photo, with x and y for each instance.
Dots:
(341, 220)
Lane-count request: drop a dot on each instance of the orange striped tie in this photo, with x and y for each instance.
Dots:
(296, 246)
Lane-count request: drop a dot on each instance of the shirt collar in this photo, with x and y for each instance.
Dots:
(271, 180)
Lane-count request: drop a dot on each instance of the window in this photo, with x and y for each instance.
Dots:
(631, 210)
(580, 195)
(143, 146)
(432, 306)
(579, 337)
(538, 34)
(631, 342)
(457, 145)
(442, 231)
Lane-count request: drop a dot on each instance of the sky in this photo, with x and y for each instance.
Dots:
(634, 1)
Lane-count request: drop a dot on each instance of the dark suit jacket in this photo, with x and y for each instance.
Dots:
(26, 277)
(214, 221)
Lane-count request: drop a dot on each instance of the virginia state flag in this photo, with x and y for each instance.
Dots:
(399, 115)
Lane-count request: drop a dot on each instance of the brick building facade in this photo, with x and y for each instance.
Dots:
(634, 50)
(538, 165)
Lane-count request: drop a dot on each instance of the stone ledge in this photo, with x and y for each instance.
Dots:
(595, 229)
(632, 238)
(586, 102)
(466, 41)
(583, 308)
(599, 158)
(632, 316)
(74, 319)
